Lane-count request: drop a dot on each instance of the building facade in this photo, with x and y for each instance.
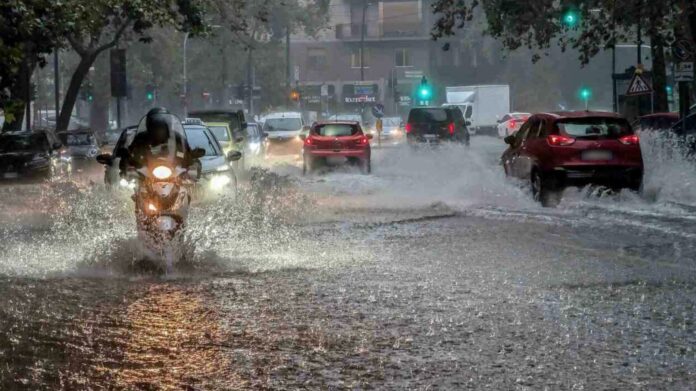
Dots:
(396, 53)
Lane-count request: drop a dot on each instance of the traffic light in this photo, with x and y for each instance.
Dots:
(571, 18)
(585, 94)
(86, 91)
(294, 95)
(425, 90)
(150, 93)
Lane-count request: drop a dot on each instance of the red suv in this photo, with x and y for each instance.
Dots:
(556, 150)
(341, 140)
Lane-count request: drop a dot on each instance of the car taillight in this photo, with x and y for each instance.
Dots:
(511, 124)
(308, 141)
(408, 128)
(363, 140)
(631, 139)
(559, 140)
(450, 128)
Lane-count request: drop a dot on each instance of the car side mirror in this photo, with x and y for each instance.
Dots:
(198, 153)
(105, 159)
(510, 140)
(467, 123)
(369, 136)
(233, 156)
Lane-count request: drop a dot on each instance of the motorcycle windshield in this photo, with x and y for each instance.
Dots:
(173, 151)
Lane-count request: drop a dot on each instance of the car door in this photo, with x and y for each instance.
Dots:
(510, 155)
(533, 147)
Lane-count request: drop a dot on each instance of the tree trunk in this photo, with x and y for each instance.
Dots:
(99, 112)
(19, 92)
(71, 94)
(659, 74)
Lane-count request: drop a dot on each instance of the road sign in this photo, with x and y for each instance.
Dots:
(413, 74)
(638, 86)
(378, 110)
(683, 50)
(684, 71)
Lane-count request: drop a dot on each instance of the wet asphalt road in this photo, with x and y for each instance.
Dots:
(432, 273)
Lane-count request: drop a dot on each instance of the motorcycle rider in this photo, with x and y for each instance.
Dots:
(156, 141)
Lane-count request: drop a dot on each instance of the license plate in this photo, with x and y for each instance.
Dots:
(10, 175)
(597, 155)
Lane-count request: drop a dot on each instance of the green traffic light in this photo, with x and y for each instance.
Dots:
(424, 92)
(669, 89)
(585, 93)
(90, 98)
(150, 96)
(571, 18)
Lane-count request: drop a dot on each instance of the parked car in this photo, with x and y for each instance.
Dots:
(215, 172)
(339, 141)
(656, 121)
(433, 125)
(282, 132)
(511, 123)
(556, 150)
(33, 155)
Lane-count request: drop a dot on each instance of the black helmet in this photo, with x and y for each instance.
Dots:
(157, 123)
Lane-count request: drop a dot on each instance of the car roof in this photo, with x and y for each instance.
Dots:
(580, 114)
(670, 115)
(340, 122)
(285, 114)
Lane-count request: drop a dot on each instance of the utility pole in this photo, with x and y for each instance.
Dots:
(186, 36)
(249, 80)
(615, 98)
(287, 64)
(56, 82)
(362, 42)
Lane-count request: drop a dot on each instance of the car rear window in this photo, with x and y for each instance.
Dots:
(336, 130)
(595, 127)
(428, 115)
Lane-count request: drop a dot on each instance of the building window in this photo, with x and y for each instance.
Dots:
(403, 58)
(401, 18)
(355, 58)
(316, 59)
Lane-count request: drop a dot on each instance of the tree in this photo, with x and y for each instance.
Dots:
(29, 29)
(595, 25)
(99, 25)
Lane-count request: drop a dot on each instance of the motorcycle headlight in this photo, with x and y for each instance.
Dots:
(162, 172)
(217, 182)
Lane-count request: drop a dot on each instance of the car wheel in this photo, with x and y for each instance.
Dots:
(366, 166)
(544, 190)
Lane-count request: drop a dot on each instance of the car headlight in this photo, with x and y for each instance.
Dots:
(223, 167)
(217, 182)
(126, 183)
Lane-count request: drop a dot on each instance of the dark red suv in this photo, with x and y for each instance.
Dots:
(556, 150)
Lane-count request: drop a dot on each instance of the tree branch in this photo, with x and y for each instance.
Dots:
(76, 45)
(117, 37)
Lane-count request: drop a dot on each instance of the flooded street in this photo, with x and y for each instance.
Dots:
(434, 272)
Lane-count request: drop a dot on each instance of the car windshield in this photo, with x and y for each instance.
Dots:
(282, 124)
(25, 142)
(595, 127)
(336, 130)
(395, 121)
(197, 138)
(221, 132)
(428, 115)
(76, 139)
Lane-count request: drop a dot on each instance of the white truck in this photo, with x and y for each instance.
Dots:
(481, 105)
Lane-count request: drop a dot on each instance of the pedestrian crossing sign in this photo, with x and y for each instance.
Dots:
(638, 86)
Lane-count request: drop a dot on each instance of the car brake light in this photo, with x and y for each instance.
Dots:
(559, 140)
(363, 140)
(511, 124)
(408, 128)
(450, 127)
(308, 141)
(631, 139)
